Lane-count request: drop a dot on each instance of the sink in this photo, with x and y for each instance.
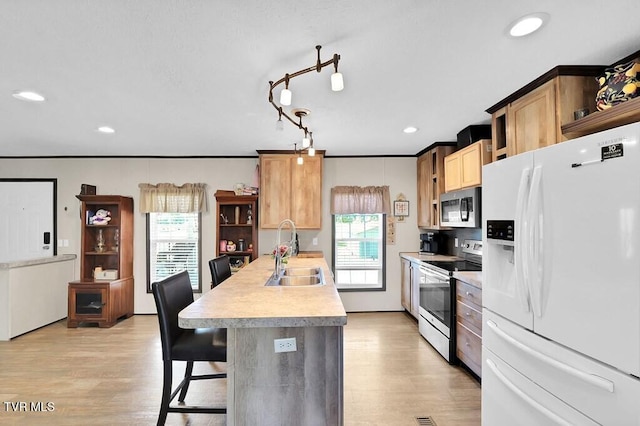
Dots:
(300, 280)
(298, 277)
(293, 272)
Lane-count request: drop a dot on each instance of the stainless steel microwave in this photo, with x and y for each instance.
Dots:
(460, 209)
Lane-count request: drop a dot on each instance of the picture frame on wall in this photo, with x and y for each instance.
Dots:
(401, 208)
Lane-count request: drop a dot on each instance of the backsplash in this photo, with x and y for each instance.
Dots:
(461, 234)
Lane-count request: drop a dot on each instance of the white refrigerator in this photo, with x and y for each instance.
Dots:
(561, 284)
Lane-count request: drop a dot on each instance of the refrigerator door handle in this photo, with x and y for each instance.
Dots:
(522, 274)
(526, 398)
(534, 243)
(592, 379)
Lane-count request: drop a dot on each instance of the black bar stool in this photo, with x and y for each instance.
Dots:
(178, 344)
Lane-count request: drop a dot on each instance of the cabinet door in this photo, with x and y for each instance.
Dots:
(306, 192)
(532, 119)
(415, 289)
(405, 284)
(424, 197)
(471, 166)
(275, 189)
(452, 172)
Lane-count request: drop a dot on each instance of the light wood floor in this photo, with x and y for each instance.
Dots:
(113, 376)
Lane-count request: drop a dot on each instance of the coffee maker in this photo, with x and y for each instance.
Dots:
(431, 243)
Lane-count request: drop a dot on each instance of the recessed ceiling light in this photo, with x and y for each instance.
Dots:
(528, 24)
(27, 95)
(410, 129)
(106, 129)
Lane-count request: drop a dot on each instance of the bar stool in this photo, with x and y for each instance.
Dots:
(172, 295)
(220, 269)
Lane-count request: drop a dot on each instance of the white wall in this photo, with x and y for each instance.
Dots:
(122, 176)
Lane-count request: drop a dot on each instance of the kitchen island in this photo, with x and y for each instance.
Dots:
(301, 387)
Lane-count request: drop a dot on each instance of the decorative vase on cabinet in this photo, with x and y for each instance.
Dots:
(104, 292)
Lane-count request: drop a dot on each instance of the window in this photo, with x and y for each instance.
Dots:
(173, 245)
(359, 251)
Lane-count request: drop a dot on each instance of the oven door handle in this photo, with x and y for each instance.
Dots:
(432, 273)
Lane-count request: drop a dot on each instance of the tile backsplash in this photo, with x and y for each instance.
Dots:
(461, 234)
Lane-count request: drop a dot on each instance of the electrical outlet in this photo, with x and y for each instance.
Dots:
(285, 345)
(455, 242)
(315, 241)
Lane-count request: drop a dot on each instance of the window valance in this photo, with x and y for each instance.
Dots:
(363, 200)
(170, 198)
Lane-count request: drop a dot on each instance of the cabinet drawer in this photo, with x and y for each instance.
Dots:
(469, 294)
(469, 348)
(470, 317)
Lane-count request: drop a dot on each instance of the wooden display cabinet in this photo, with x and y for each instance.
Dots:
(109, 247)
(237, 209)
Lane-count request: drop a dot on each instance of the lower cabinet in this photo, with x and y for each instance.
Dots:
(469, 326)
(410, 287)
(101, 302)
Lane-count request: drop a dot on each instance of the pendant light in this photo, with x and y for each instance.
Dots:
(285, 94)
(337, 83)
(311, 151)
(299, 160)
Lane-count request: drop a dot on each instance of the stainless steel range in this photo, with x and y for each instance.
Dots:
(437, 298)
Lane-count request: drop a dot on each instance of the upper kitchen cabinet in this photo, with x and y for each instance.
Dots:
(289, 190)
(463, 168)
(533, 116)
(430, 167)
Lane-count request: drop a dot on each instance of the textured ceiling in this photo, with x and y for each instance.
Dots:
(190, 77)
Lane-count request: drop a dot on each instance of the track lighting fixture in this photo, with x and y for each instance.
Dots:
(337, 84)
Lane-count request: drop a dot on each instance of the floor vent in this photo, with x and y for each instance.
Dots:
(425, 421)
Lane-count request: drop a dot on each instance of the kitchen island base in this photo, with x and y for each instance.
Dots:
(303, 387)
(289, 388)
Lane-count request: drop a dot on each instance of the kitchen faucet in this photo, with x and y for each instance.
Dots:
(289, 244)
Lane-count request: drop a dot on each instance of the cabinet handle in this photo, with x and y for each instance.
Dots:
(468, 314)
(467, 293)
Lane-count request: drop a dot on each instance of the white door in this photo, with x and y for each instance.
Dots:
(505, 186)
(26, 220)
(586, 255)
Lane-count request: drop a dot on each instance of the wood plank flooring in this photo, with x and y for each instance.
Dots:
(113, 376)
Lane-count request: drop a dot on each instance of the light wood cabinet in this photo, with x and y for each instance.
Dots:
(533, 116)
(108, 246)
(532, 119)
(405, 283)
(430, 173)
(469, 326)
(410, 286)
(290, 191)
(241, 212)
(463, 168)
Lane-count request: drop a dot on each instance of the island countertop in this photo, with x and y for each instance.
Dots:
(243, 301)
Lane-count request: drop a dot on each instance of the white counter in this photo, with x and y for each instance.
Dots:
(33, 293)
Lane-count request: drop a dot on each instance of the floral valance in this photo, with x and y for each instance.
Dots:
(360, 200)
(170, 198)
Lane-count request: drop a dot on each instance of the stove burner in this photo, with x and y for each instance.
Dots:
(451, 266)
